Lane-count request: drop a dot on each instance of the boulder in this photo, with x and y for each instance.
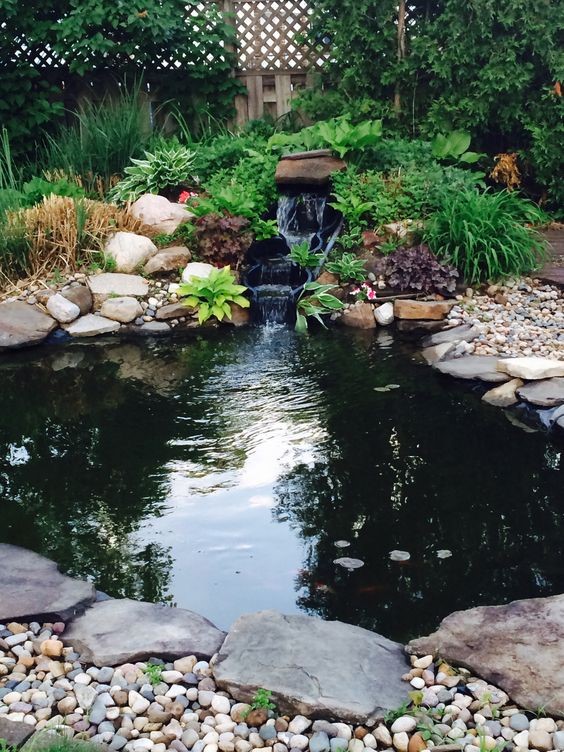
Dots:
(312, 667)
(545, 393)
(504, 395)
(91, 326)
(239, 316)
(173, 311)
(15, 733)
(62, 309)
(81, 296)
(110, 284)
(516, 647)
(384, 314)
(159, 213)
(196, 269)
(124, 631)
(31, 587)
(308, 169)
(532, 369)
(168, 260)
(328, 278)
(22, 325)
(481, 367)
(129, 251)
(436, 353)
(461, 333)
(426, 310)
(123, 309)
(359, 316)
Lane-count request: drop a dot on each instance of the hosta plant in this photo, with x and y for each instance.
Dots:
(318, 303)
(486, 235)
(417, 268)
(301, 255)
(349, 268)
(221, 239)
(213, 295)
(169, 164)
(454, 145)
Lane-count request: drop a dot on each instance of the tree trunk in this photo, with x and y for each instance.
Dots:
(400, 52)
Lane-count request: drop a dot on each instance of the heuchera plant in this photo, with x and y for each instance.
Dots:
(417, 268)
(222, 239)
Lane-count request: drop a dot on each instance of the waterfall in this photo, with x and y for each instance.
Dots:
(300, 217)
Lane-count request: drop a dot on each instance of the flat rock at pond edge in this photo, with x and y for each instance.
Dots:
(504, 395)
(518, 647)
(426, 310)
(481, 367)
(91, 326)
(462, 333)
(308, 170)
(31, 587)
(22, 324)
(124, 631)
(531, 369)
(312, 667)
(15, 733)
(545, 393)
(102, 286)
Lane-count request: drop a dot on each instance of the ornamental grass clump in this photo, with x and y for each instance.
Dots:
(486, 235)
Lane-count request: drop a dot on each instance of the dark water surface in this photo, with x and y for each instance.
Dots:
(218, 472)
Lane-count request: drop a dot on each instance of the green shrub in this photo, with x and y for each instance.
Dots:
(318, 303)
(484, 235)
(36, 188)
(212, 295)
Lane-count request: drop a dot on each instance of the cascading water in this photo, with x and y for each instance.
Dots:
(274, 280)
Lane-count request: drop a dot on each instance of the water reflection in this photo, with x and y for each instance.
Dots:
(219, 472)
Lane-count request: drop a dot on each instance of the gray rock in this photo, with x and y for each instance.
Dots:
(150, 329)
(31, 587)
(519, 722)
(62, 309)
(515, 647)
(545, 393)
(533, 368)
(319, 742)
(437, 353)
(168, 260)
(123, 309)
(22, 325)
(125, 631)
(338, 744)
(504, 395)
(14, 733)
(103, 286)
(558, 740)
(91, 326)
(312, 667)
(80, 296)
(481, 367)
(462, 333)
(129, 251)
(173, 311)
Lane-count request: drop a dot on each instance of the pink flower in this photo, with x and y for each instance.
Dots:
(185, 195)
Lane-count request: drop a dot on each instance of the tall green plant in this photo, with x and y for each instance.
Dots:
(315, 301)
(485, 235)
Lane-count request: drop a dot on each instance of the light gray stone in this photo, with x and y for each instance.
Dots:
(123, 309)
(384, 314)
(62, 309)
(531, 369)
(168, 260)
(31, 587)
(515, 647)
(437, 353)
(173, 311)
(159, 213)
(91, 326)
(22, 325)
(14, 733)
(312, 667)
(545, 393)
(102, 286)
(481, 367)
(504, 395)
(197, 269)
(462, 333)
(125, 631)
(81, 296)
(129, 251)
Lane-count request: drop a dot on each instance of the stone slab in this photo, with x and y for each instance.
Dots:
(462, 333)
(14, 733)
(359, 316)
(532, 368)
(125, 631)
(545, 393)
(517, 647)
(425, 310)
(22, 325)
(480, 367)
(91, 326)
(437, 353)
(168, 260)
(102, 286)
(504, 395)
(312, 667)
(31, 587)
(308, 171)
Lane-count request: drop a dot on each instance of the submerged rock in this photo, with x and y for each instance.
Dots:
(481, 367)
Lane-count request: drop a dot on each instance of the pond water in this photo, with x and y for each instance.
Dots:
(218, 472)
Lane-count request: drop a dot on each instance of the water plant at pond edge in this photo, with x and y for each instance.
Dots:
(301, 254)
(318, 304)
(348, 268)
(213, 295)
(485, 234)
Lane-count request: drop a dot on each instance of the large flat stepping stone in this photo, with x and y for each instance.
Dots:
(313, 667)
(461, 333)
(92, 326)
(102, 286)
(22, 325)
(481, 367)
(32, 588)
(545, 393)
(15, 733)
(531, 369)
(518, 647)
(124, 631)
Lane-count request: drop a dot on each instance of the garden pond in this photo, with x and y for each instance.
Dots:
(219, 472)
